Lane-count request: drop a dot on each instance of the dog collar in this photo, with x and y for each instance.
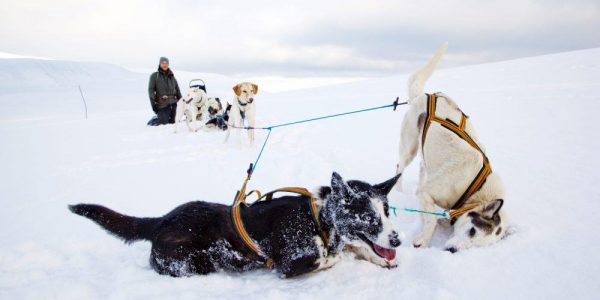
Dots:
(243, 104)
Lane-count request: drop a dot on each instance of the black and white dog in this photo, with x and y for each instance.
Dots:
(218, 116)
(199, 237)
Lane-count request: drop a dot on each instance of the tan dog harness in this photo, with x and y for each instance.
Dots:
(458, 129)
(241, 229)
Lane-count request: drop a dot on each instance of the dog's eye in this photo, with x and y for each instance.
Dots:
(245, 92)
(368, 218)
(472, 232)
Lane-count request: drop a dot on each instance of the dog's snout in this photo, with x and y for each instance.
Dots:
(251, 100)
(395, 239)
(451, 249)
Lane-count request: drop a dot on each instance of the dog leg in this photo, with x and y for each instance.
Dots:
(188, 120)
(428, 221)
(178, 114)
(194, 118)
(328, 262)
(234, 115)
(409, 142)
(227, 134)
(251, 123)
(238, 133)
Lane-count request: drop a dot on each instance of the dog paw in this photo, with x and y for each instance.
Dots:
(421, 241)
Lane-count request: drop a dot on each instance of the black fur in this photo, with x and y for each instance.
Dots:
(127, 228)
(199, 237)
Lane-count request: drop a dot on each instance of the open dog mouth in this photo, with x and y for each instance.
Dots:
(385, 253)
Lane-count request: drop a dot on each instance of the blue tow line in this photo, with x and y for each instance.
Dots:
(440, 214)
(270, 128)
(261, 152)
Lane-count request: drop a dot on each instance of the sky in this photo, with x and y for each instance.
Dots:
(296, 39)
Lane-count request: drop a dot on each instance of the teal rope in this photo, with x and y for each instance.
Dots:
(441, 214)
(328, 116)
(261, 152)
(270, 128)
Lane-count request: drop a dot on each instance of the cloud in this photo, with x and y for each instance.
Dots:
(296, 38)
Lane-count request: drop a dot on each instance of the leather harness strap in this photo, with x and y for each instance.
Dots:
(241, 229)
(459, 130)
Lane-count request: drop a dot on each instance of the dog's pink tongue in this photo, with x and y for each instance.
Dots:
(388, 254)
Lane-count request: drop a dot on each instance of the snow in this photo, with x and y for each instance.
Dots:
(536, 116)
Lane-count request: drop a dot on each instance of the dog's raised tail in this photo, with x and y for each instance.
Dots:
(416, 82)
(127, 228)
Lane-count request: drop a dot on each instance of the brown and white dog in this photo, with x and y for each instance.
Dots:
(448, 167)
(243, 110)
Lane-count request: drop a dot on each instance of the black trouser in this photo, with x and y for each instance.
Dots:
(167, 115)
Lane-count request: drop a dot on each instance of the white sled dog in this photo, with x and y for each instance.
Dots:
(455, 172)
(194, 107)
(243, 109)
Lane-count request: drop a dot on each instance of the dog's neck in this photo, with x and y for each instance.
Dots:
(242, 106)
(327, 211)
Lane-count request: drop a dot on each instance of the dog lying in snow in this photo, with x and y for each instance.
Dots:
(199, 237)
(214, 108)
(243, 109)
(217, 117)
(192, 106)
(450, 164)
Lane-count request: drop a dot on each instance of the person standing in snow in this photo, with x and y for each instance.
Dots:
(164, 93)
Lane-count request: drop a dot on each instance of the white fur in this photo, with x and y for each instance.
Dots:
(359, 248)
(449, 163)
(193, 107)
(244, 101)
(364, 251)
(383, 239)
(461, 240)
(325, 260)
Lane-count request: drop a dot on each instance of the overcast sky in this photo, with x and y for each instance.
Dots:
(295, 38)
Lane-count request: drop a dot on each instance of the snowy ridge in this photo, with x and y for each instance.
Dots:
(536, 117)
(24, 74)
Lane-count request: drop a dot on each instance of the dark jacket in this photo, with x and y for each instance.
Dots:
(163, 83)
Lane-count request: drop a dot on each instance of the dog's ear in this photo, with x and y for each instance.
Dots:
(385, 187)
(254, 88)
(491, 209)
(237, 90)
(340, 191)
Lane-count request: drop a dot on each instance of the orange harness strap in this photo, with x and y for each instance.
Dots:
(241, 229)
(459, 130)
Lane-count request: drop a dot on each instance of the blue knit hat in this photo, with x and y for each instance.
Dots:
(162, 58)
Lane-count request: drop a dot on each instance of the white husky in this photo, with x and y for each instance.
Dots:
(194, 107)
(454, 171)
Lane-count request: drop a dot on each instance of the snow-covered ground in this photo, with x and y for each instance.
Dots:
(537, 117)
